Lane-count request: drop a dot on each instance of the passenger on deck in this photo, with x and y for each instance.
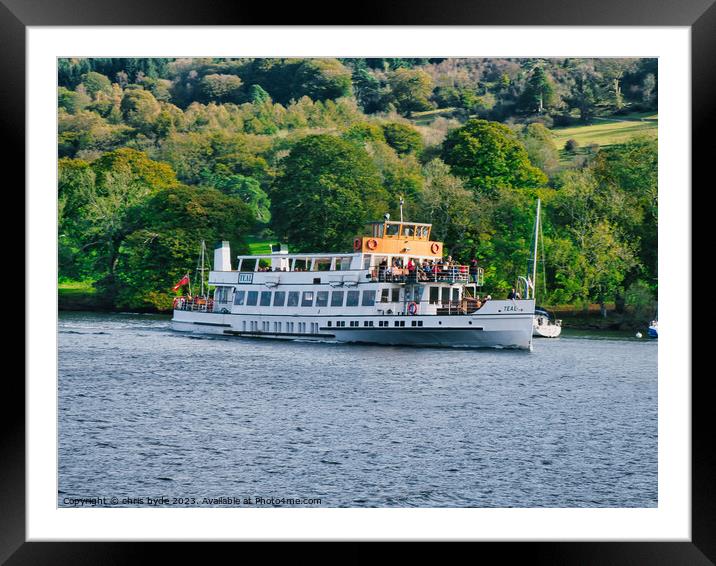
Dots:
(512, 295)
(473, 270)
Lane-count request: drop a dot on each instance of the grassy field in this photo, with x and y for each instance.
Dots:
(75, 288)
(257, 246)
(609, 131)
(79, 296)
(427, 117)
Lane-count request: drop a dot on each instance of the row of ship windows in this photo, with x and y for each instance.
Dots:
(313, 327)
(341, 323)
(321, 298)
(291, 327)
(312, 298)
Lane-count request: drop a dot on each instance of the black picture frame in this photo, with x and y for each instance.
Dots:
(699, 15)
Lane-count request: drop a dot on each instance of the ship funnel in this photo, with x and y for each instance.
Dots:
(222, 257)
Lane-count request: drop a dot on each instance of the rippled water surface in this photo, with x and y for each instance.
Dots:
(147, 412)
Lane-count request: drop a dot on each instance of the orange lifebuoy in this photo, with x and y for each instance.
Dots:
(372, 244)
(412, 307)
(435, 248)
(357, 243)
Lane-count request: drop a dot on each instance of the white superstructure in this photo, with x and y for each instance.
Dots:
(394, 288)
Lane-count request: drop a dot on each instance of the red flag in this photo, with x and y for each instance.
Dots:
(184, 281)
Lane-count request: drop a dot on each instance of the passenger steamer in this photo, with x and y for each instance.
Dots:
(367, 296)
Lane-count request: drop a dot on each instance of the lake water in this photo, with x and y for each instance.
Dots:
(145, 412)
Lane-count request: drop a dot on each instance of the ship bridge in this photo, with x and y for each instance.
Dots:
(393, 238)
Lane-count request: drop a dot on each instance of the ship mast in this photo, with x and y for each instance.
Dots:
(200, 267)
(534, 257)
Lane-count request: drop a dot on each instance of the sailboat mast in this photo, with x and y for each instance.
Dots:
(203, 247)
(534, 258)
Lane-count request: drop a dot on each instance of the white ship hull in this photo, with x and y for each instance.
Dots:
(498, 329)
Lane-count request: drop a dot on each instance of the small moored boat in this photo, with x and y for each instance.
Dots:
(545, 325)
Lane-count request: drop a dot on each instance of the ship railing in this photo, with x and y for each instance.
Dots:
(197, 304)
(467, 305)
(454, 274)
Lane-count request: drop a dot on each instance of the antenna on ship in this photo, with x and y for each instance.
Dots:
(402, 202)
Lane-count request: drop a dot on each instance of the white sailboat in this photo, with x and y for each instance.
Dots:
(544, 324)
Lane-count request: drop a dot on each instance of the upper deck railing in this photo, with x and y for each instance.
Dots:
(198, 304)
(434, 274)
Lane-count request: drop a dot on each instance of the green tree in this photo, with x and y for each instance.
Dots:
(123, 179)
(363, 132)
(369, 92)
(592, 215)
(628, 175)
(410, 90)
(140, 109)
(76, 184)
(452, 210)
(541, 147)
(164, 234)
(604, 262)
(322, 79)
(258, 95)
(488, 155)
(402, 138)
(539, 92)
(72, 101)
(88, 131)
(584, 95)
(170, 118)
(96, 83)
(506, 243)
(220, 88)
(245, 188)
(326, 191)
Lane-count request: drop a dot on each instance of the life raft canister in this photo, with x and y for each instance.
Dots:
(412, 307)
(357, 243)
(372, 244)
(435, 247)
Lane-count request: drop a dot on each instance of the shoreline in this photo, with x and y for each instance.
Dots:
(573, 318)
